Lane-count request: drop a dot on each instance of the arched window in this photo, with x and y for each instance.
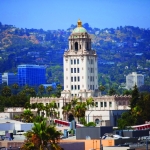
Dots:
(76, 46)
(97, 121)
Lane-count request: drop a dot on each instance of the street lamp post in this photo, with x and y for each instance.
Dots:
(146, 143)
(101, 146)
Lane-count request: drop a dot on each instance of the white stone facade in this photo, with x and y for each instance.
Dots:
(105, 109)
(80, 66)
(134, 79)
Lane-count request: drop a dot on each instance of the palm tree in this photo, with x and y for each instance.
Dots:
(90, 102)
(41, 89)
(15, 86)
(59, 89)
(66, 109)
(40, 107)
(32, 92)
(49, 89)
(52, 108)
(80, 109)
(101, 88)
(42, 137)
(27, 116)
(6, 91)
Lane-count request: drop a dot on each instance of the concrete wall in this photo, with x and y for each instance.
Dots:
(4, 115)
(16, 126)
(92, 132)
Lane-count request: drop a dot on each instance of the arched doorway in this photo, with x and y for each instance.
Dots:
(97, 121)
(76, 46)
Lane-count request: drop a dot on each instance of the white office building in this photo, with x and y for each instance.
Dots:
(134, 79)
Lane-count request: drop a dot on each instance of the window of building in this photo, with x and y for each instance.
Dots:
(77, 61)
(76, 46)
(90, 78)
(78, 78)
(74, 79)
(105, 104)
(58, 105)
(78, 70)
(91, 70)
(71, 87)
(74, 61)
(75, 87)
(90, 87)
(71, 61)
(71, 79)
(80, 46)
(101, 104)
(74, 70)
(78, 87)
(96, 104)
(71, 70)
(110, 104)
(93, 87)
(93, 78)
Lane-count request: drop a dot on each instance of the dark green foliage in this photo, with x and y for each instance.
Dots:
(135, 97)
(139, 112)
(126, 120)
(90, 124)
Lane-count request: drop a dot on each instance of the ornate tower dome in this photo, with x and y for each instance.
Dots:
(79, 28)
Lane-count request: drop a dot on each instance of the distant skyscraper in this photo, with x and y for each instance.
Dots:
(80, 65)
(32, 75)
(10, 78)
(134, 78)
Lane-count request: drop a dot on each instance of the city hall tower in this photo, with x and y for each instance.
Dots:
(80, 66)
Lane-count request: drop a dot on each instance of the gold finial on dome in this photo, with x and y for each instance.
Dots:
(79, 23)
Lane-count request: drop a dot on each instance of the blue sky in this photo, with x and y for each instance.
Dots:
(60, 14)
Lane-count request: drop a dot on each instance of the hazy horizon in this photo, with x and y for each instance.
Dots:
(53, 15)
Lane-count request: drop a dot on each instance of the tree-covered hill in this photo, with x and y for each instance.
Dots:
(120, 51)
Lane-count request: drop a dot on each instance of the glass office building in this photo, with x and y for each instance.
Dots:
(9, 78)
(32, 75)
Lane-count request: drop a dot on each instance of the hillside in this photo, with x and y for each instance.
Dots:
(120, 51)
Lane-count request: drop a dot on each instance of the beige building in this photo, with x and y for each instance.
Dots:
(106, 112)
